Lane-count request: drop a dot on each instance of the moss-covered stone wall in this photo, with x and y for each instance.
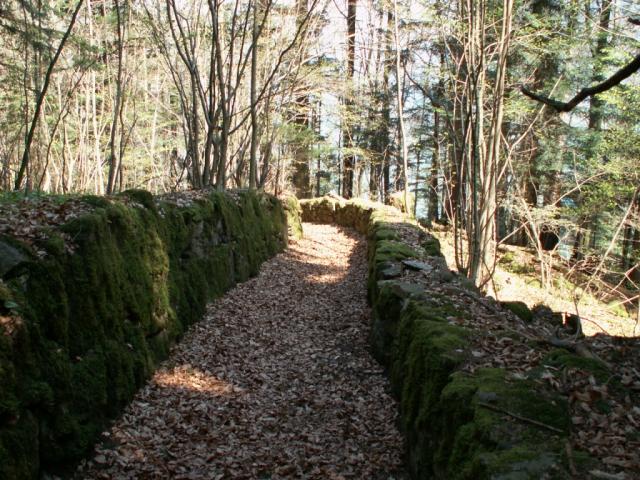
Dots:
(87, 315)
(293, 210)
(459, 423)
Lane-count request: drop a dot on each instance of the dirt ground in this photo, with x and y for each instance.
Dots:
(519, 280)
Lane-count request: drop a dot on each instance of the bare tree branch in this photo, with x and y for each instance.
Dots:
(608, 84)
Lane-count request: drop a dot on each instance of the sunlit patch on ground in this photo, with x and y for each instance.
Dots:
(189, 378)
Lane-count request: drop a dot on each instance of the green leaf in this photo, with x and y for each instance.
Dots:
(11, 305)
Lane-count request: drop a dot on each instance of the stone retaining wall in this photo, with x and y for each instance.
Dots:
(88, 312)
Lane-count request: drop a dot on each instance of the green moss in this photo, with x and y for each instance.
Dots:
(53, 244)
(96, 201)
(19, 447)
(426, 350)
(523, 462)
(390, 250)
(5, 293)
(386, 314)
(384, 232)
(431, 351)
(293, 211)
(37, 394)
(618, 309)
(9, 403)
(431, 247)
(507, 258)
(520, 309)
(522, 397)
(534, 282)
(439, 308)
(319, 210)
(510, 263)
(47, 299)
(475, 441)
(562, 358)
(142, 197)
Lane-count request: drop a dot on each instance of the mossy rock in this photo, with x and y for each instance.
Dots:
(431, 247)
(510, 263)
(479, 440)
(383, 232)
(96, 201)
(507, 258)
(562, 358)
(356, 214)
(142, 197)
(392, 250)
(390, 300)
(520, 309)
(293, 211)
(319, 210)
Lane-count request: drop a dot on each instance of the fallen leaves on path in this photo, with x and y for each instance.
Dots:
(275, 382)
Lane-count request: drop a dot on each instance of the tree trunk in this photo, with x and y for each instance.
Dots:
(403, 135)
(253, 160)
(602, 43)
(40, 99)
(349, 157)
(114, 156)
(432, 213)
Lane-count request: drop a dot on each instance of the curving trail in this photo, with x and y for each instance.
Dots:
(275, 382)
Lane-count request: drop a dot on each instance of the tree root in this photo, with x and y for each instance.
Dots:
(520, 417)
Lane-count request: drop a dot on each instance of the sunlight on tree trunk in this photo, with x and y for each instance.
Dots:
(399, 90)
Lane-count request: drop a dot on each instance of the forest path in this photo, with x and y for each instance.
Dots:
(275, 382)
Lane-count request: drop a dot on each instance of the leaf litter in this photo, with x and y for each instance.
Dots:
(605, 412)
(275, 382)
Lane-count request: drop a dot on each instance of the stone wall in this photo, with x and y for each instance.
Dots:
(460, 422)
(88, 312)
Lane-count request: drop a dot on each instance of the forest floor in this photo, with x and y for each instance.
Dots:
(275, 382)
(517, 278)
(601, 388)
